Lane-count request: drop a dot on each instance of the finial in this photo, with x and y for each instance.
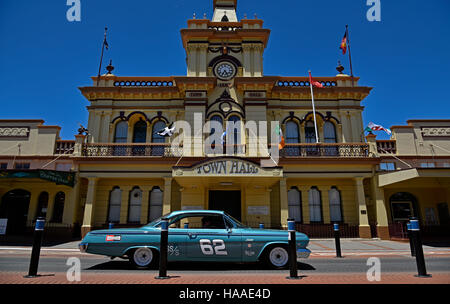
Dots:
(340, 68)
(110, 68)
(193, 17)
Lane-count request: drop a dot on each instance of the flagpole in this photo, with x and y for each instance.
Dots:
(101, 57)
(314, 107)
(350, 55)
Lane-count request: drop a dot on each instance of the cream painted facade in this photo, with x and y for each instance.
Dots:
(128, 175)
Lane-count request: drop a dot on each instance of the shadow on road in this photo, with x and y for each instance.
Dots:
(194, 266)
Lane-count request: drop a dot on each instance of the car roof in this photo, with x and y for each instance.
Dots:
(196, 211)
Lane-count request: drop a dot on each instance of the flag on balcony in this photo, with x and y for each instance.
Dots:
(282, 142)
(373, 127)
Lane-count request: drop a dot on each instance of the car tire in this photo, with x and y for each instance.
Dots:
(143, 258)
(277, 257)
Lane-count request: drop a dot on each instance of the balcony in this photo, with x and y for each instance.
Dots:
(342, 150)
(386, 146)
(64, 147)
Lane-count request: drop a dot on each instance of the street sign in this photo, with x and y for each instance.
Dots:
(3, 224)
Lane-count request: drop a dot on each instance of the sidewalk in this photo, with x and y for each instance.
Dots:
(149, 278)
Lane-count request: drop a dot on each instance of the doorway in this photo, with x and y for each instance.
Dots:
(228, 201)
(14, 207)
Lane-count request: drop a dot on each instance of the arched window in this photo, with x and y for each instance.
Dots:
(42, 205)
(158, 139)
(156, 204)
(115, 202)
(294, 204)
(315, 205)
(121, 133)
(310, 132)
(329, 132)
(335, 205)
(236, 131)
(292, 137)
(140, 132)
(134, 209)
(58, 207)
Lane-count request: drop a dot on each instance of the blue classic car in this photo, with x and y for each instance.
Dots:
(196, 235)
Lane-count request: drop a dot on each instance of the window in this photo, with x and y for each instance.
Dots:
(22, 166)
(158, 139)
(121, 134)
(156, 204)
(199, 222)
(134, 211)
(115, 201)
(41, 210)
(310, 132)
(329, 132)
(58, 207)
(335, 205)
(3, 166)
(387, 166)
(315, 205)
(294, 204)
(235, 129)
(216, 118)
(427, 165)
(292, 137)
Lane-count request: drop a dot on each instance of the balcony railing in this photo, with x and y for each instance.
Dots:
(325, 150)
(386, 146)
(127, 150)
(64, 147)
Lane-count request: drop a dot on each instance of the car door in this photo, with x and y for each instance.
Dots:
(215, 243)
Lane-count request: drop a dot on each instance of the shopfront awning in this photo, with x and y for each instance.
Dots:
(58, 177)
(400, 176)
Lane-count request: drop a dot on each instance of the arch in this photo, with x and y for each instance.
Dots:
(58, 207)
(155, 204)
(292, 117)
(115, 203)
(403, 205)
(137, 113)
(159, 117)
(315, 205)
(135, 204)
(42, 206)
(306, 117)
(335, 201)
(295, 204)
(14, 206)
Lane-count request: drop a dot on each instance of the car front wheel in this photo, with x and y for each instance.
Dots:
(278, 257)
(142, 258)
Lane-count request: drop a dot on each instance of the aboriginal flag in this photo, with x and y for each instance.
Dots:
(343, 46)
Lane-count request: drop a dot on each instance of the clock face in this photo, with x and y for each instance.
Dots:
(225, 70)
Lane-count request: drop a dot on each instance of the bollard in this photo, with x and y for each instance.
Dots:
(163, 250)
(36, 251)
(420, 259)
(411, 244)
(337, 239)
(261, 225)
(292, 251)
(111, 225)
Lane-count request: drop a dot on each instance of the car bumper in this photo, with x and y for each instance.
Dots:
(303, 253)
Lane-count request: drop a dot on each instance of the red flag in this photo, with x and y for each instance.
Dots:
(343, 46)
(314, 83)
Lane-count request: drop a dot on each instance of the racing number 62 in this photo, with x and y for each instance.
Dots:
(216, 247)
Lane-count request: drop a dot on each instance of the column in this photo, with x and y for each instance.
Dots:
(380, 207)
(284, 212)
(88, 218)
(106, 120)
(167, 195)
(247, 60)
(364, 228)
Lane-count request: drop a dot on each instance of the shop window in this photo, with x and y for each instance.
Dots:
(427, 165)
(156, 204)
(387, 166)
(115, 202)
(134, 209)
(315, 205)
(3, 166)
(335, 205)
(22, 166)
(58, 207)
(295, 205)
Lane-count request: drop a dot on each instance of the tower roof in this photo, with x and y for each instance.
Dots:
(225, 11)
(225, 3)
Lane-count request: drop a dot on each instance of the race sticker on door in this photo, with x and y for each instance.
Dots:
(113, 238)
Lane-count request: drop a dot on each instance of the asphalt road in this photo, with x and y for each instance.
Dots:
(98, 264)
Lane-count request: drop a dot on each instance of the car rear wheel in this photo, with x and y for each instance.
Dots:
(278, 257)
(142, 258)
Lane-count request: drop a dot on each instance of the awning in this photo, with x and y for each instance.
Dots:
(410, 174)
(58, 177)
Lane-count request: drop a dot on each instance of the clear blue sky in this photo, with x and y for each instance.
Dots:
(44, 58)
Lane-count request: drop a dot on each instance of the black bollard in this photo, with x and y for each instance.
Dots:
(292, 251)
(163, 250)
(337, 240)
(411, 243)
(420, 259)
(36, 251)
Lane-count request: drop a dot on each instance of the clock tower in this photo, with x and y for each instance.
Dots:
(225, 47)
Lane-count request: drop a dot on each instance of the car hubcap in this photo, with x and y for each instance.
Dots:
(143, 257)
(278, 257)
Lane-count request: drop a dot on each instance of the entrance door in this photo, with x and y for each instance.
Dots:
(14, 207)
(228, 201)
